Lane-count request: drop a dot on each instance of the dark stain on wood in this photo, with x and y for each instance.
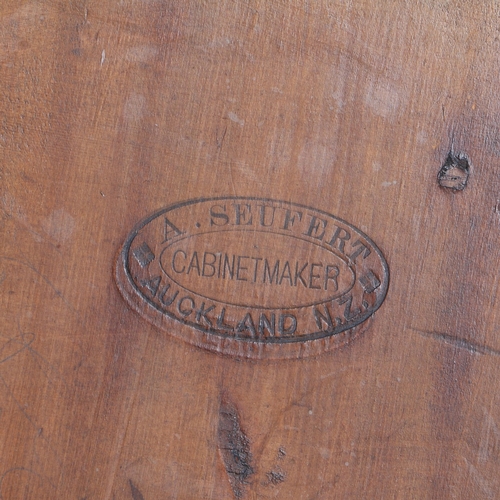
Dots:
(136, 493)
(234, 447)
(275, 477)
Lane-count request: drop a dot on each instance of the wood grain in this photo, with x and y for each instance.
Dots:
(112, 110)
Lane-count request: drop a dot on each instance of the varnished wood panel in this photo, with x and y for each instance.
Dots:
(112, 110)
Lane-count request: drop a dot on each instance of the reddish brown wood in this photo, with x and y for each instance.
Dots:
(112, 110)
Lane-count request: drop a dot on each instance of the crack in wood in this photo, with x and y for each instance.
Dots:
(461, 343)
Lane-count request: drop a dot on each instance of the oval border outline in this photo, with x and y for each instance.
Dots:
(271, 341)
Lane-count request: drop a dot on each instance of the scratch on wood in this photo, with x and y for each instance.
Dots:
(38, 273)
(489, 444)
(480, 480)
(22, 409)
(472, 347)
(220, 141)
(30, 474)
(13, 346)
(234, 447)
(136, 493)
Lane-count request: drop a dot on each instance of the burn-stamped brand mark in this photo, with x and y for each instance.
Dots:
(253, 277)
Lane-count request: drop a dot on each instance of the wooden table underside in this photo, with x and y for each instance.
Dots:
(112, 110)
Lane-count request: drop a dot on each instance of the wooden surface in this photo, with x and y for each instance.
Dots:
(111, 110)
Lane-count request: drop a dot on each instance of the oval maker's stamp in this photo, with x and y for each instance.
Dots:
(253, 277)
